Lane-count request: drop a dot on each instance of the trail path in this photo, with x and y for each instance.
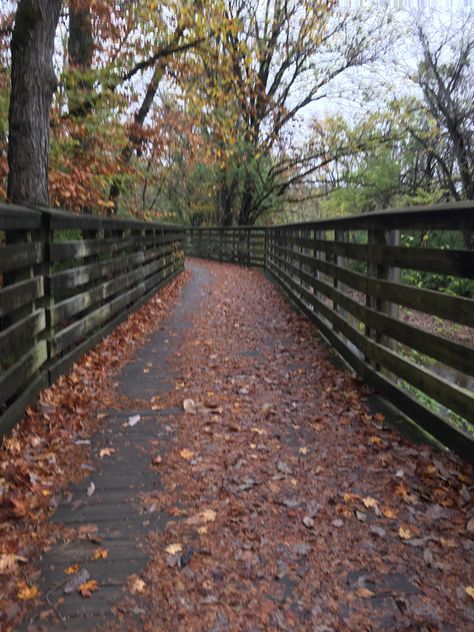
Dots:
(275, 502)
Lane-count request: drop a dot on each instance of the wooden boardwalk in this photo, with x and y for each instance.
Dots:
(104, 512)
(283, 504)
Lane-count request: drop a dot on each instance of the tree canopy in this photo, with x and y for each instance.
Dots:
(231, 111)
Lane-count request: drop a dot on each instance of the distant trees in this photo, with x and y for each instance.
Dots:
(275, 59)
(208, 109)
(446, 77)
(416, 149)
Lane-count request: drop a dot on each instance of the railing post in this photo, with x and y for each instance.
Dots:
(248, 246)
(46, 237)
(265, 247)
(387, 273)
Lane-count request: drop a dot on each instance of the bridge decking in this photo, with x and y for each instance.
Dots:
(288, 506)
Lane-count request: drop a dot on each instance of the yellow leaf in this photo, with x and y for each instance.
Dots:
(70, 570)
(369, 502)
(259, 431)
(470, 591)
(349, 496)
(172, 549)
(389, 513)
(208, 515)
(303, 450)
(202, 530)
(88, 587)
(100, 554)
(106, 452)
(9, 562)
(137, 585)
(374, 440)
(187, 454)
(404, 533)
(26, 592)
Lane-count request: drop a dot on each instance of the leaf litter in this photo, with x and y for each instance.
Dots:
(306, 486)
(51, 447)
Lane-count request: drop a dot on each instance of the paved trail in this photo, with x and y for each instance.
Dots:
(277, 502)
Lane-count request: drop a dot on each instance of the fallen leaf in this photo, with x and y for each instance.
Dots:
(9, 562)
(470, 591)
(374, 440)
(137, 585)
(202, 530)
(157, 460)
(470, 526)
(100, 554)
(189, 406)
(404, 533)
(308, 522)
(87, 588)
(283, 467)
(364, 593)
(303, 450)
(369, 502)
(76, 580)
(389, 513)
(360, 515)
(106, 452)
(187, 454)
(172, 549)
(428, 557)
(26, 592)
(208, 515)
(133, 420)
(70, 570)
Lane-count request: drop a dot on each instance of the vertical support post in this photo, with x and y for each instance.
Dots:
(379, 271)
(341, 236)
(265, 247)
(46, 237)
(248, 246)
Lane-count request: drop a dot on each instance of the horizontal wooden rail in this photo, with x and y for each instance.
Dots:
(354, 276)
(66, 281)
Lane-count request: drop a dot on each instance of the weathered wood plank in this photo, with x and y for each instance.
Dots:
(16, 256)
(76, 277)
(454, 262)
(18, 374)
(14, 297)
(451, 353)
(452, 437)
(75, 332)
(15, 411)
(13, 217)
(71, 306)
(21, 334)
(453, 397)
(454, 308)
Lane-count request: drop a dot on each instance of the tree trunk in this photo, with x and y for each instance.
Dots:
(80, 53)
(225, 201)
(33, 83)
(247, 203)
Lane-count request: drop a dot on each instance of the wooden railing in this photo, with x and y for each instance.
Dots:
(353, 277)
(244, 244)
(67, 281)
